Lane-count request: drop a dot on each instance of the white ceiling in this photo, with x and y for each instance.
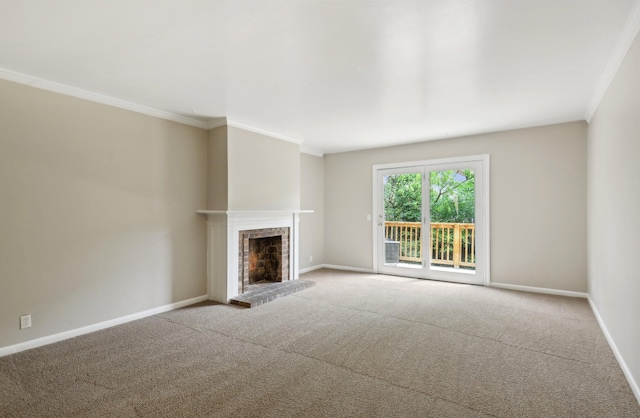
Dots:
(334, 75)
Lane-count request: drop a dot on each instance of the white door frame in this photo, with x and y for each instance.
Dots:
(483, 159)
(378, 211)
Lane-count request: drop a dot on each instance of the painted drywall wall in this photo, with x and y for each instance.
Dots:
(97, 212)
(264, 172)
(311, 224)
(614, 206)
(217, 170)
(538, 202)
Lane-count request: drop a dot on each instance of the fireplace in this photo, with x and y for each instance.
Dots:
(263, 257)
(229, 252)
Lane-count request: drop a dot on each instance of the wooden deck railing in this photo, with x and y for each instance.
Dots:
(452, 244)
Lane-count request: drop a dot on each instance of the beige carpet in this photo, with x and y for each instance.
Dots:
(353, 345)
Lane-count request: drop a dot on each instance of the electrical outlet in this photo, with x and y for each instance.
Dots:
(310, 258)
(25, 321)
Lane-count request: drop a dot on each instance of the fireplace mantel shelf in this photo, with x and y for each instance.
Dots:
(231, 212)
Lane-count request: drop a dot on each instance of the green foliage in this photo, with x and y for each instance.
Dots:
(451, 197)
(403, 198)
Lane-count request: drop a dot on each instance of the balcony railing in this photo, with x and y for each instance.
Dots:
(452, 244)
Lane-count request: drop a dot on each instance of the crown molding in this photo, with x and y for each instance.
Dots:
(212, 123)
(629, 33)
(305, 149)
(262, 132)
(42, 84)
(216, 122)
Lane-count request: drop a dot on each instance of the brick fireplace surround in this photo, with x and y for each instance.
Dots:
(263, 255)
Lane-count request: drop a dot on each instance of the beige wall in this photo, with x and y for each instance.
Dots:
(217, 170)
(264, 172)
(97, 212)
(538, 202)
(614, 209)
(311, 224)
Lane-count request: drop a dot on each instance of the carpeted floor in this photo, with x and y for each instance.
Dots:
(353, 345)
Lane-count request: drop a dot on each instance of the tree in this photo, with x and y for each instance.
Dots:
(452, 197)
(403, 198)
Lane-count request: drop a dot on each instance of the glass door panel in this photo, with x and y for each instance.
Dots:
(452, 215)
(400, 218)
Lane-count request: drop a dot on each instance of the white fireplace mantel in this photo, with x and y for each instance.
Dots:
(255, 212)
(223, 229)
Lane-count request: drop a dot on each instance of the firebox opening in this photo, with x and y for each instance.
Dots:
(265, 259)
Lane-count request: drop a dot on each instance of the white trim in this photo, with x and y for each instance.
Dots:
(39, 342)
(544, 290)
(305, 149)
(625, 369)
(223, 230)
(628, 34)
(463, 159)
(347, 268)
(310, 269)
(485, 160)
(493, 284)
(40, 83)
(79, 93)
(216, 122)
(253, 212)
(262, 132)
(374, 218)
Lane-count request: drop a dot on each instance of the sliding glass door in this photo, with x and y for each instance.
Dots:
(432, 219)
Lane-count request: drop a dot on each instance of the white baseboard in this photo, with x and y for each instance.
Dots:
(627, 373)
(346, 268)
(5, 351)
(335, 267)
(312, 268)
(492, 284)
(539, 290)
